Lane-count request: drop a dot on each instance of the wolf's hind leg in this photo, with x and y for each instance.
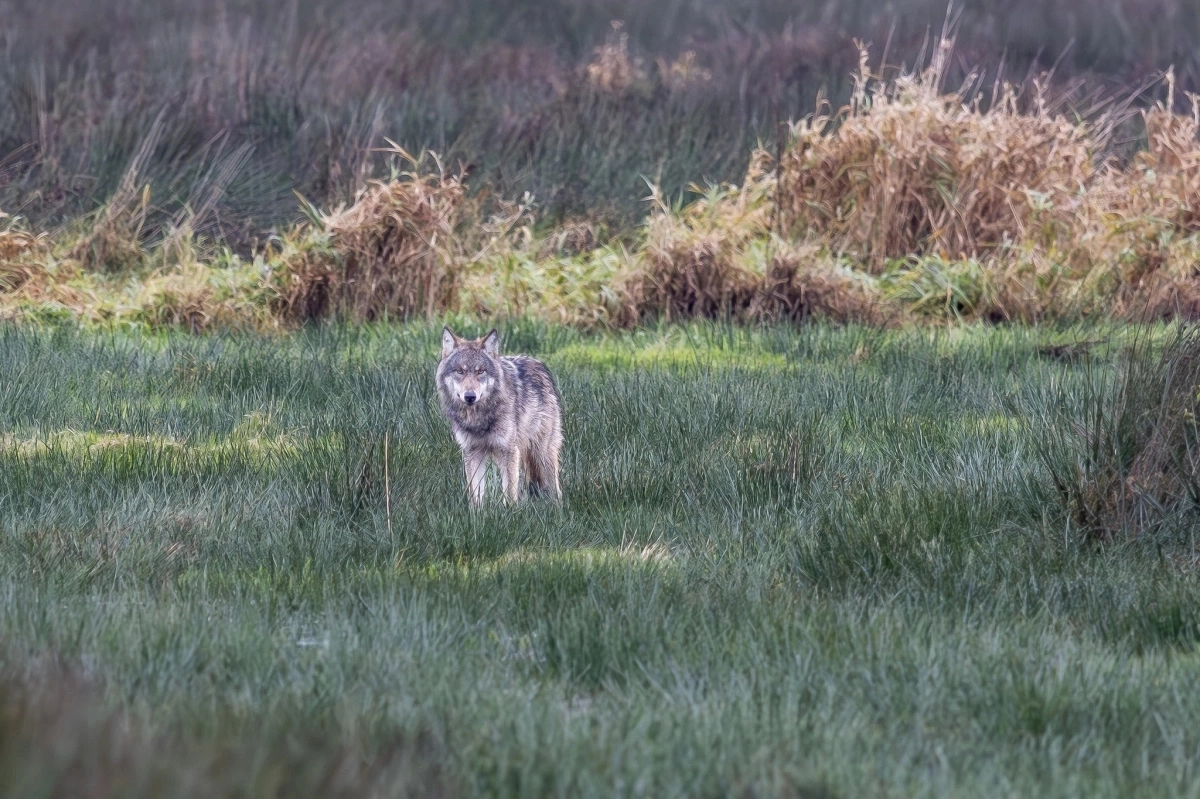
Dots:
(550, 472)
(534, 478)
(475, 464)
(510, 474)
(549, 462)
(541, 464)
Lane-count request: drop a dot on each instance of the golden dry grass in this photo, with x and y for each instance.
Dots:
(18, 254)
(393, 253)
(710, 257)
(1000, 212)
(907, 170)
(720, 256)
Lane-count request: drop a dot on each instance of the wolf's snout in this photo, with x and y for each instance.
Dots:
(469, 397)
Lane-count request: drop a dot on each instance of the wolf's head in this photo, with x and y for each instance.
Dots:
(469, 372)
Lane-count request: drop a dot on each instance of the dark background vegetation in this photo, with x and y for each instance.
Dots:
(289, 96)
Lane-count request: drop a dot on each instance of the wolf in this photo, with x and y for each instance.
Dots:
(506, 408)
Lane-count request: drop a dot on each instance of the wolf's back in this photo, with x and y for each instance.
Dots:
(534, 392)
(531, 374)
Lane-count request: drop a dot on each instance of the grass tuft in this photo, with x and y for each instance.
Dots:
(1128, 460)
(390, 254)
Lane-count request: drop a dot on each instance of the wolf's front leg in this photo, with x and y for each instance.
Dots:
(510, 474)
(475, 463)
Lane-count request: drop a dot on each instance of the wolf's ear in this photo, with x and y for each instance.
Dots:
(449, 342)
(491, 343)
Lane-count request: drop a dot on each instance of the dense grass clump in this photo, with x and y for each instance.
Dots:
(788, 562)
(997, 212)
(391, 253)
(1125, 453)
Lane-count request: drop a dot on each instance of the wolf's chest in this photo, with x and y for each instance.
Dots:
(479, 430)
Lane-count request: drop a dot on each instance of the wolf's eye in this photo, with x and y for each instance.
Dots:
(460, 371)
(480, 372)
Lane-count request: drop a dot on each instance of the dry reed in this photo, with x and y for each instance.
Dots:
(390, 254)
(908, 203)
(905, 169)
(1001, 212)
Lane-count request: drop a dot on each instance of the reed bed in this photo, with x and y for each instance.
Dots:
(911, 203)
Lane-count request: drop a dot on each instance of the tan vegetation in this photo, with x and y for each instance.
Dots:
(720, 256)
(392, 254)
(999, 213)
(18, 254)
(909, 203)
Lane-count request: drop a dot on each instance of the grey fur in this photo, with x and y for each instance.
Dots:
(514, 419)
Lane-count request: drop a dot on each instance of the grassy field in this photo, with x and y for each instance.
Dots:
(882, 458)
(810, 562)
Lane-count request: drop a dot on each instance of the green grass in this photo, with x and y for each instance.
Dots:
(799, 563)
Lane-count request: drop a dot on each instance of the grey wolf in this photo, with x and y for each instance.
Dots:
(503, 408)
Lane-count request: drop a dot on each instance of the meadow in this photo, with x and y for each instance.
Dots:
(796, 562)
(874, 325)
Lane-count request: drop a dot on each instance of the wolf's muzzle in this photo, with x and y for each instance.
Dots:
(469, 397)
